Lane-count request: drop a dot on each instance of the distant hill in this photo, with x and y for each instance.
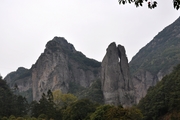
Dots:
(162, 101)
(156, 59)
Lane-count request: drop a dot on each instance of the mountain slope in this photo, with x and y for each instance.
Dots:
(163, 100)
(156, 59)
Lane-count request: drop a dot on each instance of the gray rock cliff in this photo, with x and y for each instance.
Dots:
(18, 74)
(59, 66)
(22, 78)
(116, 82)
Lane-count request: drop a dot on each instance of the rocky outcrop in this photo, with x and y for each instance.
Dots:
(142, 81)
(116, 82)
(22, 78)
(17, 76)
(59, 66)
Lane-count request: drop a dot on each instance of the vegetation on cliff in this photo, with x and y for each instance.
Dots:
(93, 93)
(163, 100)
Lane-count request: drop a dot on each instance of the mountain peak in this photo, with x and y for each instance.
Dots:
(59, 43)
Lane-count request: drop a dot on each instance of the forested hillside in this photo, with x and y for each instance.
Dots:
(162, 101)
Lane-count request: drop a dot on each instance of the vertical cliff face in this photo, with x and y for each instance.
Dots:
(60, 65)
(57, 68)
(116, 82)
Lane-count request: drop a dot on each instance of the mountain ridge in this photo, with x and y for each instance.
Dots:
(156, 59)
(60, 66)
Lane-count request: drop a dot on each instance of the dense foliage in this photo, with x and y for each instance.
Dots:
(93, 93)
(163, 100)
(151, 4)
(108, 112)
(44, 106)
(57, 106)
(63, 100)
(79, 110)
(10, 103)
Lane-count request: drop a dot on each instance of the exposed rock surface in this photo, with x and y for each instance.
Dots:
(18, 74)
(116, 82)
(22, 78)
(62, 67)
(156, 59)
(59, 66)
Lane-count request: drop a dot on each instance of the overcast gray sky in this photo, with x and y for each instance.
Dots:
(90, 25)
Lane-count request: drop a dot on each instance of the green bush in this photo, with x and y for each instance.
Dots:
(4, 118)
(20, 118)
(42, 117)
(12, 117)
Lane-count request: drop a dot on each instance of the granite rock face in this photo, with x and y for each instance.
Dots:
(17, 76)
(59, 66)
(116, 81)
(22, 78)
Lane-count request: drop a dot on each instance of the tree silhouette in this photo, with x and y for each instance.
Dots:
(151, 4)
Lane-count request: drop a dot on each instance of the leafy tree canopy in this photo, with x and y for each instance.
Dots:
(108, 112)
(63, 100)
(163, 99)
(79, 110)
(10, 103)
(44, 106)
(151, 4)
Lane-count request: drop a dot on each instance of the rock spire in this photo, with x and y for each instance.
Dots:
(116, 81)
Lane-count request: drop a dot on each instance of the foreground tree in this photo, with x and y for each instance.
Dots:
(11, 104)
(79, 110)
(63, 100)
(151, 4)
(108, 112)
(100, 113)
(45, 106)
(163, 100)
